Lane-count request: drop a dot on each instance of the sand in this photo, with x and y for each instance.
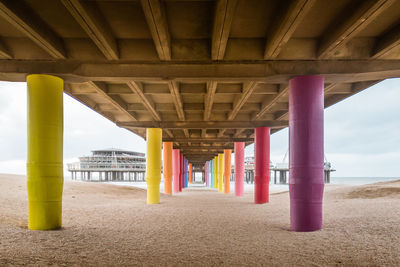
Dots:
(112, 225)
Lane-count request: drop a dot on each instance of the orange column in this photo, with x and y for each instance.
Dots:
(227, 171)
(167, 167)
(190, 173)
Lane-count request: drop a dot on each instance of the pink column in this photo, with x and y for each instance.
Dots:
(261, 165)
(176, 169)
(181, 172)
(306, 146)
(205, 173)
(239, 168)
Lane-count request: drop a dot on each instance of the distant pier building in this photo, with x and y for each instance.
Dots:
(280, 171)
(109, 165)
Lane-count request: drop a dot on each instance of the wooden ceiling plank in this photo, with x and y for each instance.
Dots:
(348, 26)
(93, 23)
(157, 22)
(294, 14)
(27, 22)
(224, 12)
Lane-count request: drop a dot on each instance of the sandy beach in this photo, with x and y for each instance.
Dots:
(112, 225)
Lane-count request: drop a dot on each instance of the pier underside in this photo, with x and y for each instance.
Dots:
(206, 72)
(200, 75)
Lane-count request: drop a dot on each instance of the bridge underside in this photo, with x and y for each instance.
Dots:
(206, 72)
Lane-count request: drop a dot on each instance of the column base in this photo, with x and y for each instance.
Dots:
(306, 207)
(45, 215)
(261, 194)
(153, 194)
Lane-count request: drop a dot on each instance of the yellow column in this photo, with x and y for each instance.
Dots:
(227, 170)
(215, 173)
(45, 152)
(221, 172)
(153, 164)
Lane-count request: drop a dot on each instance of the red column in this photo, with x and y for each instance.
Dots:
(261, 165)
(181, 173)
(176, 169)
(306, 146)
(227, 170)
(239, 168)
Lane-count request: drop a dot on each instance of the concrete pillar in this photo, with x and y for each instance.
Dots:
(261, 164)
(181, 172)
(306, 152)
(211, 173)
(205, 173)
(239, 168)
(45, 152)
(153, 164)
(190, 173)
(220, 172)
(176, 169)
(215, 172)
(167, 167)
(227, 170)
(184, 172)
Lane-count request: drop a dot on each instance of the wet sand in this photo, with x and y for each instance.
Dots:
(112, 225)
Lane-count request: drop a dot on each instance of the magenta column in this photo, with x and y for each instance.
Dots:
(261, 165)
(176, 169)
(306, 152)
(239, 168)
(181, 172)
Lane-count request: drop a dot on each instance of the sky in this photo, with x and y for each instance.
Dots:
(362, 133)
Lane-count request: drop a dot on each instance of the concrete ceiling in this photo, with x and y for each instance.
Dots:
(207, 72)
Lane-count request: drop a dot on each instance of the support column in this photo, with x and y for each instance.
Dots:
(215, 172)
(205, 173)
(211, 173)
(167, 167)
(45, 152)
(227, 170)
(261, 164)
(239, 168)
(185, 170)
(190, 173)
(220, 172)
(306, 152)
(153, 164)
(181, 172)
(176, 169)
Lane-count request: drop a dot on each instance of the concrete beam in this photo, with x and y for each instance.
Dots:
(294, 14)
(89, 17)
(265, 71)
(224, 11)
(349, 25)
(387, 42)
(27, 22)
(203, 124)
(157, 21)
